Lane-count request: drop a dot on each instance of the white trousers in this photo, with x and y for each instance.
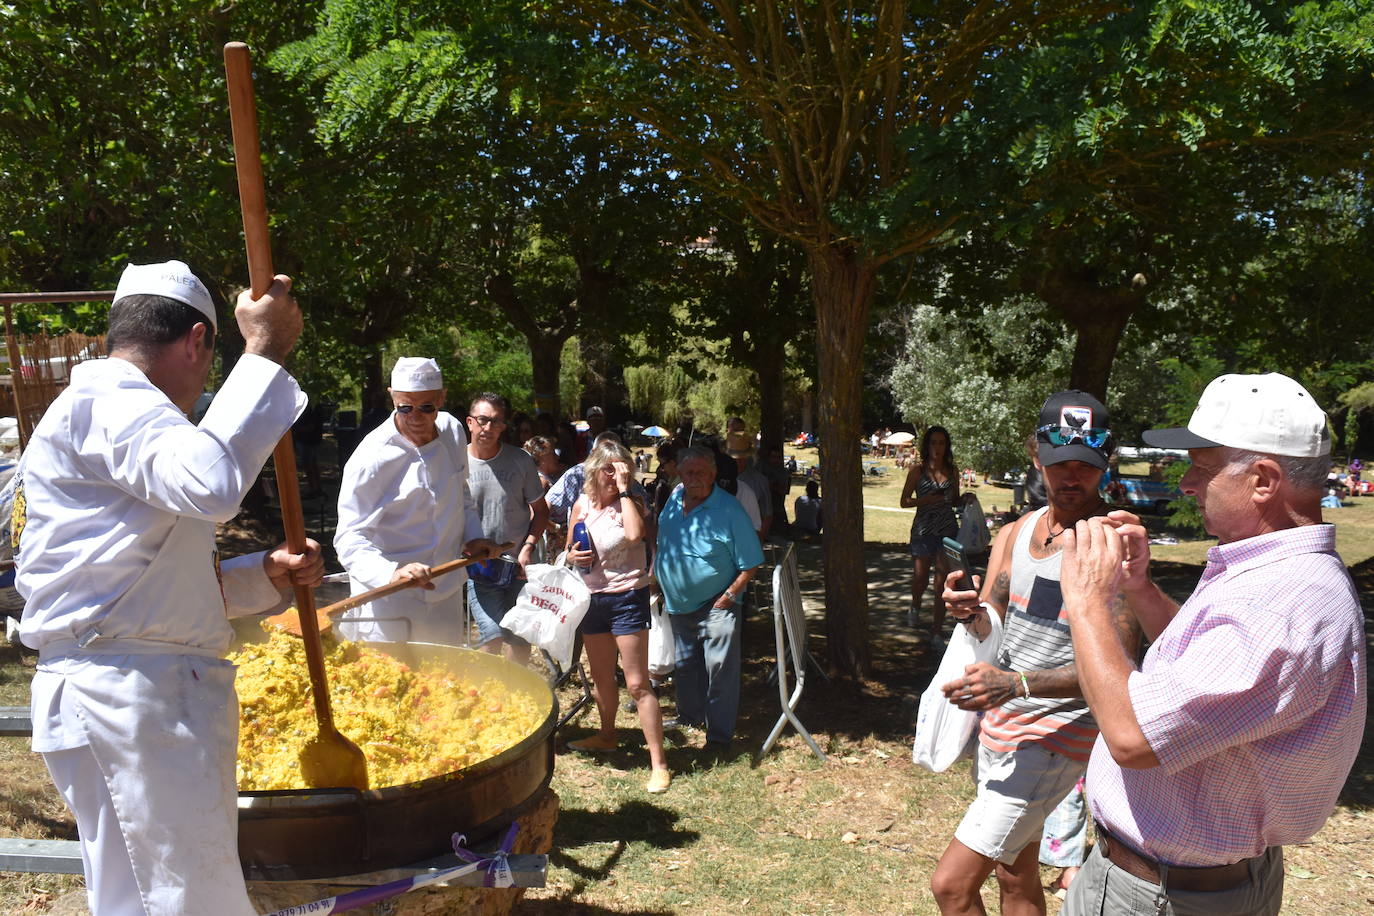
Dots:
(110, 884)
(153, 789)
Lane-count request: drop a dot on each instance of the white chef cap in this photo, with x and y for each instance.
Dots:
(172, 279)
(416, 373)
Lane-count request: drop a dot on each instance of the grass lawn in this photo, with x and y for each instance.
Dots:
(859, 835)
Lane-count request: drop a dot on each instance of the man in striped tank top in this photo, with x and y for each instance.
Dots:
(1036, 733)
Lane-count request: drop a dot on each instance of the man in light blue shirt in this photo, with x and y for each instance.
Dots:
(707, 553)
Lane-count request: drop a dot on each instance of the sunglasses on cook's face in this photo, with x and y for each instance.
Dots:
(1063, 435)
(423, 408)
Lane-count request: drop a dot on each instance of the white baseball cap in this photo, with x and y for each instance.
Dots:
(1270, 414)
(416, 373)
(171, 279)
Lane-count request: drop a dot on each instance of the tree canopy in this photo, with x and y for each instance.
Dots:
(553, 221)
(824, 123)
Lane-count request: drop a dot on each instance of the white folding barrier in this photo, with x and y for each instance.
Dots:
(789, 628)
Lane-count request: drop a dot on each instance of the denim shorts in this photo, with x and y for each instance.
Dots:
(488, 605)
(617, 613)
(926, 545)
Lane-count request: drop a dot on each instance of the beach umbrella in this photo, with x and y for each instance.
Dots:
(657, 432)
(899, 439)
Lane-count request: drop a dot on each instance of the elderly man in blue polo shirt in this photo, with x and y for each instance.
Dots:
(707, 553)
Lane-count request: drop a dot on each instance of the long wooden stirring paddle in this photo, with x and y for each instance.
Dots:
(289, 619)
(329, 759)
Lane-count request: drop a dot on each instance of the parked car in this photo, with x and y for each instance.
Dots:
(1144, 493)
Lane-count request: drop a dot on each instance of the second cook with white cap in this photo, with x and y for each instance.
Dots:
(404, 507)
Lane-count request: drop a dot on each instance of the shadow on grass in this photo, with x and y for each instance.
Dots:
(16, 670)
(634, 821)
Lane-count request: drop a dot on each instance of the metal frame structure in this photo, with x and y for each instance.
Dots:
(789, 629)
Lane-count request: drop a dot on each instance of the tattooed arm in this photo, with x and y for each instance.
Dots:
(985, 686)
(1106, 636)
(1061, 681)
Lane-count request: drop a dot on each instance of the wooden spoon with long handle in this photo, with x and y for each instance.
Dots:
(289, 620)
(329, 759)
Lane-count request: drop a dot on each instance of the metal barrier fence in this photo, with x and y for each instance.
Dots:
(789, 630)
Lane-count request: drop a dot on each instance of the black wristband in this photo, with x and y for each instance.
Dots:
(623, 495)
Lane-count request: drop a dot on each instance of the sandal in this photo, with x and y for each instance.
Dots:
(594, 744)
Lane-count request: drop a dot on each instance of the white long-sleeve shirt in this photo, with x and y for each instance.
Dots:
(401, 503)
(121, 494)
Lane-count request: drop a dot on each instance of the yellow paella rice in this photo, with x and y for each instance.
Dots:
(411, 724)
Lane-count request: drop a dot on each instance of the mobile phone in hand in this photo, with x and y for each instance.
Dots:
(957, 562)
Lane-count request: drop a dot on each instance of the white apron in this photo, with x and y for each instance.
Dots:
(164, 730)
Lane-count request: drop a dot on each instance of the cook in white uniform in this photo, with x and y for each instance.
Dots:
(114, 528)
(404, 507)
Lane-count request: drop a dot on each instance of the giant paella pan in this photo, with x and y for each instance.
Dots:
(301, 834)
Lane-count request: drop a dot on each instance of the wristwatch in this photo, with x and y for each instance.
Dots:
(623, 495)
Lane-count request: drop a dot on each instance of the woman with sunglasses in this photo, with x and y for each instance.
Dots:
(932, 489)
(616, 570)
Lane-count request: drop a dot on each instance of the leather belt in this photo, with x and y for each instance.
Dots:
(1212, 878)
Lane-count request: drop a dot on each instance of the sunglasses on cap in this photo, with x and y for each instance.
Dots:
(423, 408)
(1064, 435)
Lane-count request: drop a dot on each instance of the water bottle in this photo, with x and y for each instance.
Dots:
(582, 540)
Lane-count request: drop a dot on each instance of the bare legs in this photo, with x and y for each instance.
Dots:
(520, 654)
(960, 874)
(920, 579)
(633, 651)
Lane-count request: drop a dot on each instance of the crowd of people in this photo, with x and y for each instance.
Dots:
(1198, 759)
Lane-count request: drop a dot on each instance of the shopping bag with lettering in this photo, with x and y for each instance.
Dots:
(551, 605)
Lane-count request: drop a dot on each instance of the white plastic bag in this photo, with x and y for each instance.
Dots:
(943, 729)
(973, 530)
(662, 649)
(551, 605)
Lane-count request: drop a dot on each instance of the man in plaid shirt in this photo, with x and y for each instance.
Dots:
(1236, 733)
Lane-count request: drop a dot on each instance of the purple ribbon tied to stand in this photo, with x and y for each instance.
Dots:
(498, 864)
(498, 875)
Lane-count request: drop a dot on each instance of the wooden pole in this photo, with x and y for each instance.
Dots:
(243, 113)
(12, 348)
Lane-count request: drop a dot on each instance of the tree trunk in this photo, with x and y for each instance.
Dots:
(842, 289)
(1095, 346)
(546, 360)
(769, 353)
(1098, 314)
(374, 384)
